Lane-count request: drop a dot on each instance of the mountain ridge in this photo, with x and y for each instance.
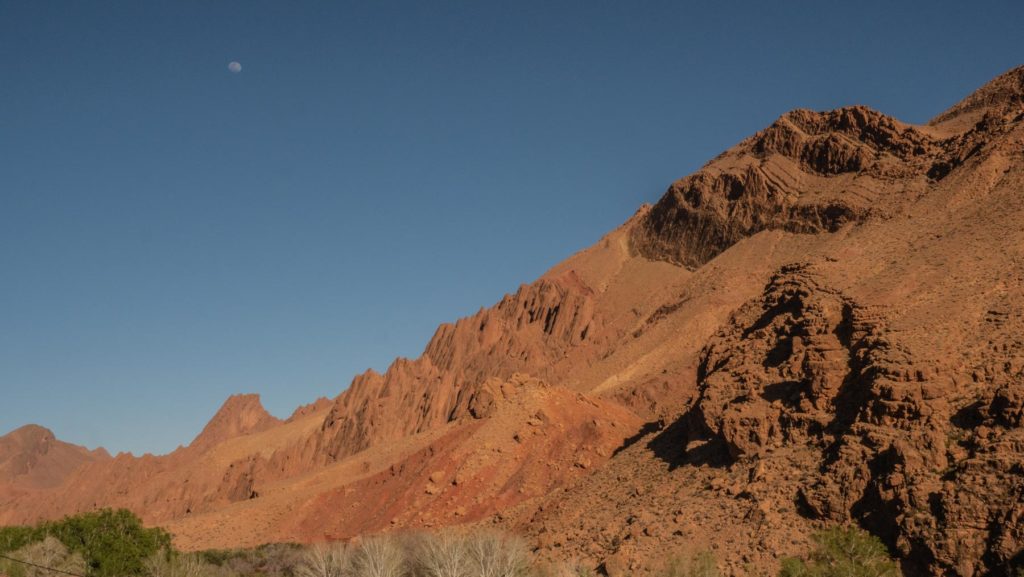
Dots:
(821, 325)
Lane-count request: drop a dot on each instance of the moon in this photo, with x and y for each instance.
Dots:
(235, 67)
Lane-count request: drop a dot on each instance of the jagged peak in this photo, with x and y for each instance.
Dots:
(1002, 94)
(856, 116)
(812, 138)
(239, 415)
(321, 404)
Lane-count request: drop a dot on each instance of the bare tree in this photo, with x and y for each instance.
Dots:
(326, 560)
(49, 552)
(168, 564)
(378, 557)
(444, 554)
(493, 554)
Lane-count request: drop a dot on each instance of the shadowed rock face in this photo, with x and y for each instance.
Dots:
(928, 453)
(787, 177)
(824, 324)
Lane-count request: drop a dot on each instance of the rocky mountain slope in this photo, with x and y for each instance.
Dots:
(822, 325)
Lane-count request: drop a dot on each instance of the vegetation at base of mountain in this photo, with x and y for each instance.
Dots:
(702, 564)
(111, 543)
(49, 552)
(843, 552)
(278, 559)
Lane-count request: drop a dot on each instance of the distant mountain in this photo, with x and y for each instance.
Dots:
(825, 324)
(32, 458)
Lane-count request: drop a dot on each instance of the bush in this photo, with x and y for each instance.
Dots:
(270, 559)
(843, 552)
(49, 552)
(702, 564)
(111, 543)
(170, 564)
(564, 568)
(14, 538)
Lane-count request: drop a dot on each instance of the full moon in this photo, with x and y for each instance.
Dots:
(234, 67)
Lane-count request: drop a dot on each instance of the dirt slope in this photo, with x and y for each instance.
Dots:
(824, 324)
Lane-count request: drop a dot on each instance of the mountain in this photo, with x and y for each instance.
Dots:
(32, 458)
(239, 415)
(33, 463)
(824, 324)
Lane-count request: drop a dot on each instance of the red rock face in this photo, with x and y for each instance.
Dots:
(528, 331)
(824, 324)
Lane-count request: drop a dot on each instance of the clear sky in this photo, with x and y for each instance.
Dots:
(172, 232)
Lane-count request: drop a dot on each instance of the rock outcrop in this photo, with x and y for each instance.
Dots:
(526, 331)
(808, 172)
(927, 453)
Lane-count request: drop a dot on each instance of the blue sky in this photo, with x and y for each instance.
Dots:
(172, 233)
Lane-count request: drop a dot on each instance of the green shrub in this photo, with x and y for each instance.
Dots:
(702, 564)
(572, 567)
(14, 538)
(111, 543)
(278, 559)
(843, 552)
